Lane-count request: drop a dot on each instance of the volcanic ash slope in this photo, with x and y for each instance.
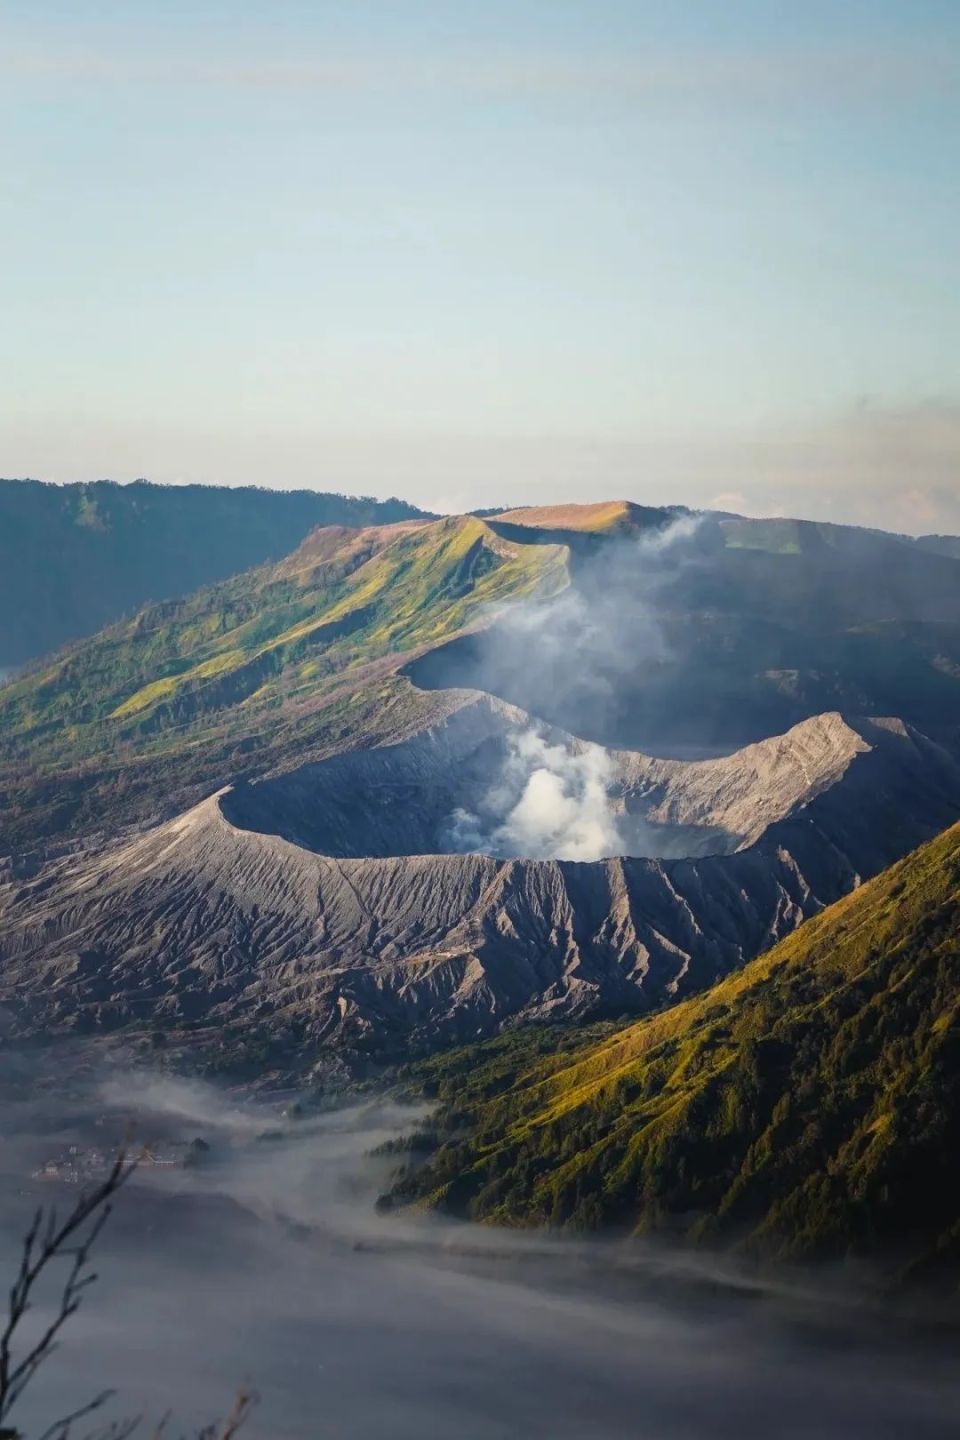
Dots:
(255, 909)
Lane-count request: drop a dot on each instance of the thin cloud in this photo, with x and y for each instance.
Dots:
(892, 467)
(855, 74)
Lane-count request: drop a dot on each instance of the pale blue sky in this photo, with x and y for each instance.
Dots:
(488, 253)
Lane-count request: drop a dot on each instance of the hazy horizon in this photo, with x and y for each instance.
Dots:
(525, 254)
(733, 502)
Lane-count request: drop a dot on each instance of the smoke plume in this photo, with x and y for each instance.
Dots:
(550, 801)
(591, 659)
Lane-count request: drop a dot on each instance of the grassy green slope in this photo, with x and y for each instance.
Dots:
(263, 665)
(74, 558)
(808, 1104)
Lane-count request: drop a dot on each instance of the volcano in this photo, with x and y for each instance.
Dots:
(307, 805)
(328, 902)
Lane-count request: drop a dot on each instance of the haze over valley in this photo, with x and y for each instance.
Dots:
(273, 1244)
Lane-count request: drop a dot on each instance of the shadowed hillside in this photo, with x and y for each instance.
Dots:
(808, 1105)
(730, 631)
(74, 558)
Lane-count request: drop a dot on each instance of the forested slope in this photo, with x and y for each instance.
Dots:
(807, 1105)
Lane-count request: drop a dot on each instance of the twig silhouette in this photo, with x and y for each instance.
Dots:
(73, 1238)
(48, 1240)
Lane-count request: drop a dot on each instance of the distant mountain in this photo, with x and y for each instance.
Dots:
(807, 1105)
(74, 558)
(646, 629)
(941, 544)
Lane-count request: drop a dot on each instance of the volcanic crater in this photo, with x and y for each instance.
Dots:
(491, 779)
(371, 898)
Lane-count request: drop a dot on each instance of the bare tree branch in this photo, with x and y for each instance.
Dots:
(47, 1240)
(60, 1429)
(242, 1406)
(72, 1239)
(245, 1402)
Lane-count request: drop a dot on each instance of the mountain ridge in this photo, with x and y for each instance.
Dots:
(215, 677)
(76, 557)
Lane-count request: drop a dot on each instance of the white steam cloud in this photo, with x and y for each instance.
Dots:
(573, 652)
(551, 801)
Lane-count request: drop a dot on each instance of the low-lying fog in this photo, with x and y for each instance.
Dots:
(266, 1263)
